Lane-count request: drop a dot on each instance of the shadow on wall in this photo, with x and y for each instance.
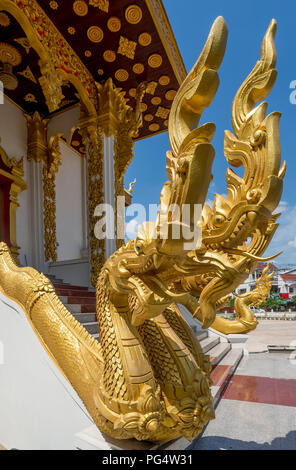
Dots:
(224, 443)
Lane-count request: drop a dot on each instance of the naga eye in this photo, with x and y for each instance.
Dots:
(138, 246)
(219, 219)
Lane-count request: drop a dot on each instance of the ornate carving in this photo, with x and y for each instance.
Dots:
(127, 47)
(40, 150)
(92, 137)
(57, 57)
(121, 75)
(37, 148)
(27, 73)
(114, 24)
(51, 83)
(101, 4)
(155, 61)
(95, 34)
(25, 43)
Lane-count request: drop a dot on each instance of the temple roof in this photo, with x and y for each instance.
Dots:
(130, 41)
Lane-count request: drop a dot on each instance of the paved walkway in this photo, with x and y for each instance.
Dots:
(258, 408)
(271, 332)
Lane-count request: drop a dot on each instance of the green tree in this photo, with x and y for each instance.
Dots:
(271, 303)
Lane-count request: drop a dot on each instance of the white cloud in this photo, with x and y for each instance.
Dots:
(292, 243)
(285, 236)
(131, 229)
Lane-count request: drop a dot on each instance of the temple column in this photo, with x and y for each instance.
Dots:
(110, 151)
(109, 188)
(36, 218)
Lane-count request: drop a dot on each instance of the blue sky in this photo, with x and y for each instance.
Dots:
(247, 24)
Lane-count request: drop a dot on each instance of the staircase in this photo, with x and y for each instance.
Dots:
(81, 302)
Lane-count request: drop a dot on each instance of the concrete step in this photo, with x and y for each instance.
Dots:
(85, 317)
(222, 373)
(208, 343)
(201, 334)
(91, 327)
(218, 352)
(73, 308)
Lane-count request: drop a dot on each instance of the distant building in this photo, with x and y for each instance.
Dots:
(283, 281)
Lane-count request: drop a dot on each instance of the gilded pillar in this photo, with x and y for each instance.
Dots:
(120, 124)
(43, 187)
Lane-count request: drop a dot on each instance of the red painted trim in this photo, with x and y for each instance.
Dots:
(262, 390)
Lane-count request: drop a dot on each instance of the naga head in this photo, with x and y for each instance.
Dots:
(192, 247)
(243, 223)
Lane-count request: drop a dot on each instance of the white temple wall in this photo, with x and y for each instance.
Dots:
(69, 218)
(64, 122)
(72, 264)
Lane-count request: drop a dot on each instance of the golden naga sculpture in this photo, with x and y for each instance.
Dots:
(148, 378)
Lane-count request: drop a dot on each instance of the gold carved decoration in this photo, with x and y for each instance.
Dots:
(138, 68)
(39, 150)
(80, 8)
(51, 83)
(133, 14)
(13, 171)
(58, 61)
(50, 169)
(145, 39)
(101, 4)
(114, 24)
(170, 95)
(91, 132)
(154, 127)
(121, 75)
(25, 43)
(151, 87)
(37, 138)
(109, 56)
(163, 113)
(127, 47)
(155, 61)
(148, 378)
(30, 98)
(132, 92)
(53, 5)
(156, 100)
(148, 117)
(9, 54)
(164, 80)
(95, 34)
(27, 73)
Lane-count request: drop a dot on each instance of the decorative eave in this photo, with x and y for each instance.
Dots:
(167, 36)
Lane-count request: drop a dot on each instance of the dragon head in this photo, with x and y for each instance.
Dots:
(192, 247)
